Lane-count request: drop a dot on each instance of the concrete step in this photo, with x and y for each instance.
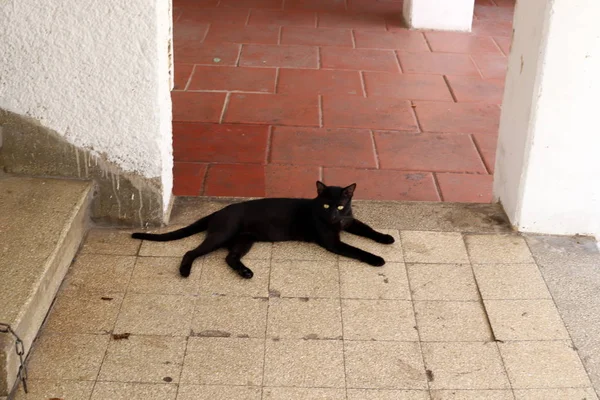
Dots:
(42, 223)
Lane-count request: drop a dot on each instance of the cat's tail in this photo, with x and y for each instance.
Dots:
(199, 226)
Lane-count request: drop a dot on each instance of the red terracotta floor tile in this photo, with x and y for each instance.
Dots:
(485, 2)
(505, 3)
(268, 4)
(384, 113)
(491, 66)
(239, 180)
(257, 55)
(466, 188)
(275, 109)
(184, 32)
(220, 143)
(183, 72)
(363, 21)
(487, 147)
(377, 184)
(316, 36)
(504, 43)
(406, 86)
(195, 3)
(492, 28)
(291, 181)
(207, 53)
(315, 5)
(283, 18)
(326, 147)
(457, 117)
(437, 63)
(359, 59)
(197, 106)
(228, 33)
(237, 16)
(399, 40)
(233, 79)
(319, 81)
(188, 178)
(454, 42)
(375, 7)
(427, 152)
(476, 89)
(492, 12)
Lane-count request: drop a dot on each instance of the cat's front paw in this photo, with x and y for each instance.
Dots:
(375, 261)
(386, 239)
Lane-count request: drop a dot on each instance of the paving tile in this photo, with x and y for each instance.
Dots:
(294, 81)
(276, 109)
(97, 273)
(389, 252)
(217, 392)
(151, 359)
(452, 321)
(437, 63)
(183, 73)
(442, 282)
(359, 59)
(556, 394)
(433, 247)
(427, 152)
(455, 42)
(504, 43)
(237, 180)
(362, 21)
(218, 278)
(360, 281)
(304, 318)
(222, 316)
(406, 86)
(539, 365)
(304, 363)
(492, 66)
(207, 53)
(384, 365)
(304, 278)
(133, 391)
(288, 393)
(67, 356)
(375, 7)
(155, 314)
(223, 361)
(282, 18)
(188, 178)
(379, 320)
(257, 55)
(487, 148)
(160, 275)
(492, 27)
(301, 251)
(44, 389)
(176, 248)
(221, 143)
(83, 312)
(189, 32)
(357, 112)
(316, 5)
(400, 40)
(510, 281)
(290, 180)
(485, 12)
(197, 106)
(471, 395)
(525, 320)
(466, 188)
(236, 79)
(475, 89)
(458, 118)
(266, 4)
(110, 241)
(473, 365)
(211, 14)
(498, 249)
(386, 184)
(387, 394)
(299, 35)
(230, 33)
(326, 147)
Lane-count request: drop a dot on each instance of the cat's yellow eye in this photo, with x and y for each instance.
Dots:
(340, 207)
(325, 205)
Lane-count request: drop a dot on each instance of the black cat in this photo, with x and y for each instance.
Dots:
(238, 226)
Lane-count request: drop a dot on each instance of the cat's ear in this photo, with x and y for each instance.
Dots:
(320, 187)
(348, 191)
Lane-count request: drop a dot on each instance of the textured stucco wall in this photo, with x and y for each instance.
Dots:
(96, 72)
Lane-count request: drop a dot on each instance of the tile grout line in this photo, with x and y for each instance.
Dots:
(337, 264)
(476, 66)
(262, 388)
(427, 42)
(189, 81)
(397, 56)
(247, 16)
(239, 56)
(436, 183)
(225, 105)
(363, 83)
(413, 108)
(376, 153)
(269, 144)
(187, 341)
(319, 62)
(353, 37)
(279, 35)
(204, 181)
(320, 110)
(276, 89)
(321, 173)
(447, 81)
(480, 153)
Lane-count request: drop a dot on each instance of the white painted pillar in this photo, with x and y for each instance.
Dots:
(548, 158)
(443, 15)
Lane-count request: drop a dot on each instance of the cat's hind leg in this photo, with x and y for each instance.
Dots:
(213, 241)
(238, 248)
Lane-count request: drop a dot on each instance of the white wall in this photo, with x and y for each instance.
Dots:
(444, 15)
(97, 73)
(548, 157)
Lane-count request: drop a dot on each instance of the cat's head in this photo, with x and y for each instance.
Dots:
(334, 203)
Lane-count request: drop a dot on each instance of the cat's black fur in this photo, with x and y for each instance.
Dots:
(238, 226)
